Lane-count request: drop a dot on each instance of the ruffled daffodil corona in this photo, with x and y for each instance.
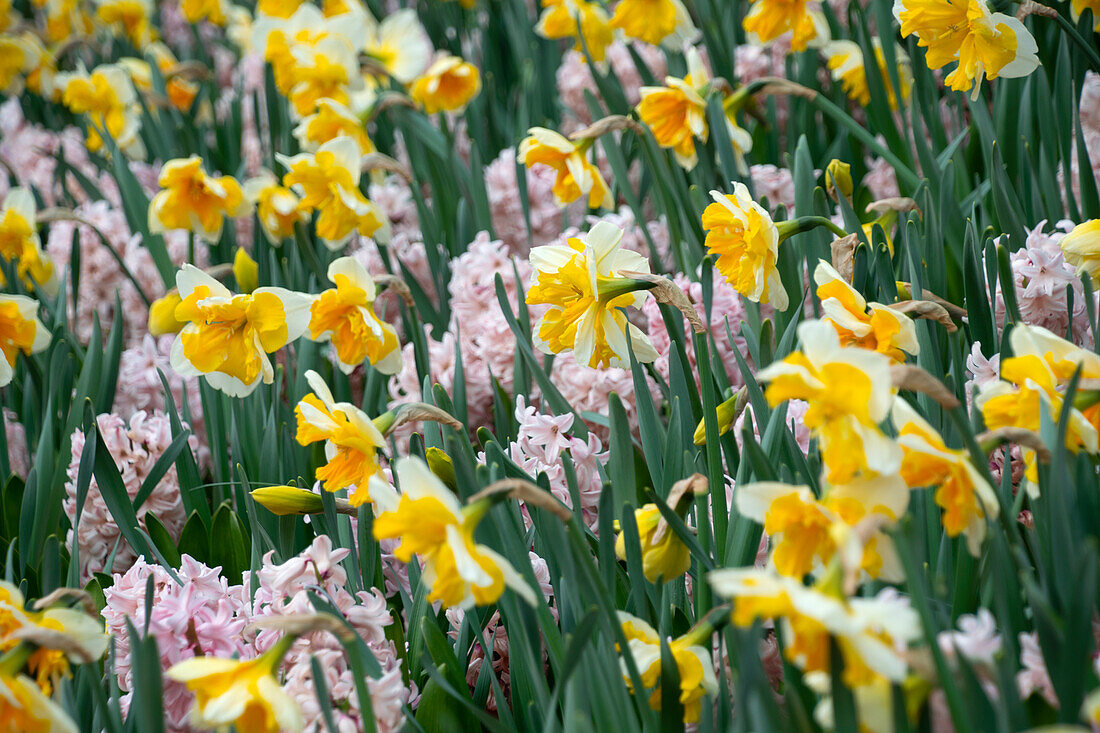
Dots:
(332, 120)
(433, 525)
(690, 652)
(244, 694)
(664, 555)
(577, 176)
(228, 337)
(447, 86)
(352, 440)
(559, 20)
(882, 329)
(967, 499)
(20, 244)
(582, 284)
(985, 44)
(676, 114)
(328, 182)
(193, 200)
(345, 316)
(849, 391)
(20, 331)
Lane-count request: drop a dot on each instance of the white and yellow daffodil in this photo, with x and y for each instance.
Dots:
(885, 329)
(20, 331)
(20, 244)
(193, 200)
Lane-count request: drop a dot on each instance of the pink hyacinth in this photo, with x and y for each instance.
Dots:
(19, 458)
(775, 183)
(547, 220)
(1034, 676)
(199, 617)
(881, 179)
(575, 78)
(135, 447)
(976, 640)
(726, 306)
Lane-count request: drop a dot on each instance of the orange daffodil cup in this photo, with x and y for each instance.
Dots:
(192, 199)
(228, 337)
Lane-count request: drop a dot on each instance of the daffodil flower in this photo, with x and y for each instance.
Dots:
(20, 331)
(871, 633)
(276, 207)
(193, 200)
(985, 44)
(884, 329)
(849, 392)
(664, 22)
(559, 20)
(246, 271)
(432, 524)
(107, 96)
(769, 19)
(847, 65)
(244, 694)
(131, 18)
(84, 636)
(1082, 248)
(212, 11)
(581, 283)
(676, 114)
(21, 245)
(692, 657)
(228, 337)
(331, 120)
(399, 44)
(345, 316)
(447, 86)
(807, 533)
(352, 440)
(24, 707)
(20, 54)
(746, 241)
(967, 499)
(1077, 8)
(328, 182)
(577, 176)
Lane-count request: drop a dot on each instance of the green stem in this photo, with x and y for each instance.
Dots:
(1089, 49)
(788, 229)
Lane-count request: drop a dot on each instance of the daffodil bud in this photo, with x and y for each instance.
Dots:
(728, 412)
(246, 270)
(441, 465)
(838, 178)
(162, 315)
(664, 559)
(287, 500)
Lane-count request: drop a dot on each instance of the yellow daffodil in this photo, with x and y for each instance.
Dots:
(985, 44)
(328, 182)
(20, 244)
(1082, 248)
(181, 92)
(25, 709)
(82, 633)
(431, 523)
(849, 392)
(582, 284)
(746, 241)
(884, 329)
(228, 337)
(693, 663)
(352, 440)
(331, 120)
(128, 18)
(559, 20)
(662, 560)
(345, 316)
(246, 271)
(769, 19)
(214, 11)
(278, 8)
(193, 200)
(871, 633)
(244, 694)
(66, 19)
(846, 64)
(1038, 373)
(399, 44)
(107, 97)
(577, 176)
(20, 54)
(276, 207)
(807, 533)
(162, 315)
(966, 498)
(676, 114)
(447, 86)
(40, 67)
(20, 330)
(655, 21)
